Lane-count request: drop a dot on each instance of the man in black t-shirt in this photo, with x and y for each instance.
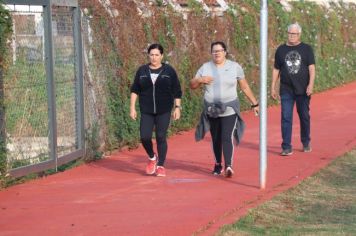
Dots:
(294, 65)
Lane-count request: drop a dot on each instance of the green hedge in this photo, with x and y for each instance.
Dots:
(5, 33)
(187, 42)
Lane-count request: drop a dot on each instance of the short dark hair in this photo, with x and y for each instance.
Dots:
(222, 44)
(155, 46)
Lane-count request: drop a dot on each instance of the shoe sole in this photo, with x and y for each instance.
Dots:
(307, 150)
(216, 173)
(286, 154)
(150, 173)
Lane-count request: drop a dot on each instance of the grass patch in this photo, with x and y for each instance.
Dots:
(9, 181)
(323, 204)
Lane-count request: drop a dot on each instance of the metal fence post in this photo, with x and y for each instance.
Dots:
(79, 77)
(51, 83)
(2, 119)
(263, 93)
(2, 107)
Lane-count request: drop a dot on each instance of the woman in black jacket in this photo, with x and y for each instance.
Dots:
(159, 91)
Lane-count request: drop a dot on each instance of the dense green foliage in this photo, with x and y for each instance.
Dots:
(187, 41)
(5, 32)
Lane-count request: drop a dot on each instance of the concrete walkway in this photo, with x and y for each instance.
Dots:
(113, 196)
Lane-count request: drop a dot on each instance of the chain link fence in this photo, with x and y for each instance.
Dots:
(43, 88)
(25, 90)
(65, 80)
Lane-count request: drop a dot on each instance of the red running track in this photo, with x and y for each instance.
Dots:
(113, 196)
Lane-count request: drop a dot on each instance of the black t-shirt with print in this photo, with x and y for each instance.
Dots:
(293, 63)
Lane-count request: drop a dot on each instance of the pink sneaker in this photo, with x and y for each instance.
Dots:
(151, 166)
(160, 171)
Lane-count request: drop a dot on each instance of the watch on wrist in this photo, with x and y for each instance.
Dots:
(254, 105)
(178, 106)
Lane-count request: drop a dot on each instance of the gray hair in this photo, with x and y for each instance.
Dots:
(295, 25)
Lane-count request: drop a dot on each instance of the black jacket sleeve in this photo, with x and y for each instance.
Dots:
(135, 87)
(176, 88)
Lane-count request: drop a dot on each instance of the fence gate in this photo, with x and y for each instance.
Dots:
(43, 86)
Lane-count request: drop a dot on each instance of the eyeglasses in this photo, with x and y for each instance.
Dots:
(217, 51)
(293, 34)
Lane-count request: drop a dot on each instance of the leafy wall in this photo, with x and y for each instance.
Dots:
(123, 30)
(5, 32)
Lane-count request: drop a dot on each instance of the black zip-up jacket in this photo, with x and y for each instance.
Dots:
(156, 98)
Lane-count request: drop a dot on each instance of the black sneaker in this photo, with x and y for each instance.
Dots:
(307, 148)
(218, 169)
(229, 172)
(286, 152)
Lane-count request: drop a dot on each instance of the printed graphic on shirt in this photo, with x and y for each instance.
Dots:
(154, 77)
(293, 61)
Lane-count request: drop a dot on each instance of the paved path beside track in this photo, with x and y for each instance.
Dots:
(113, 196)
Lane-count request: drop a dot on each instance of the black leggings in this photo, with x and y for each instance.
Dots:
(221, 130)
(161, 124)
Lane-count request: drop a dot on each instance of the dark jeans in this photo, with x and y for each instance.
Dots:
(221, 130)
(161, 123)
(302, 102)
